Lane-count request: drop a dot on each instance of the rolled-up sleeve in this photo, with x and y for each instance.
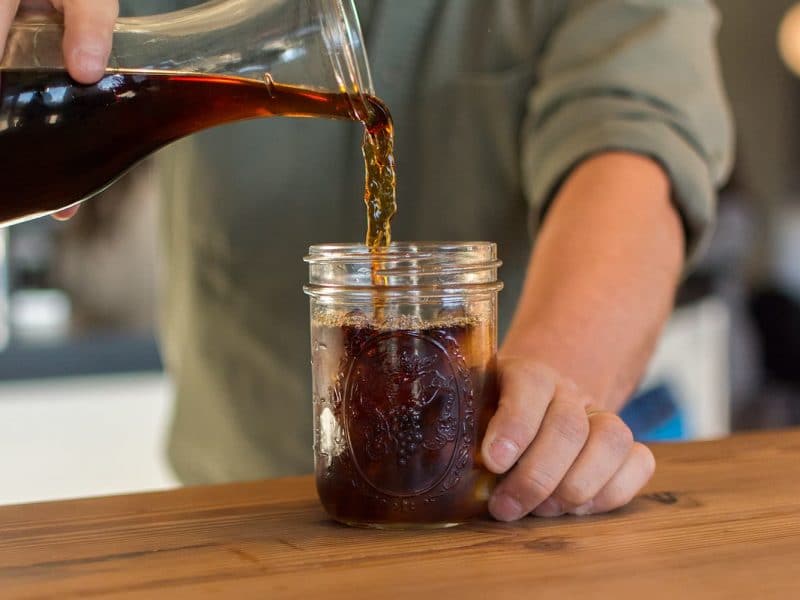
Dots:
(639, 76)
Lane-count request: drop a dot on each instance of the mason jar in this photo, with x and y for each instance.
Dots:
(403, 345)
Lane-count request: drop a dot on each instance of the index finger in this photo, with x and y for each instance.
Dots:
(88, 33)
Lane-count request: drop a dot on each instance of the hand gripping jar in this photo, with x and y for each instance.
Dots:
(404, 345)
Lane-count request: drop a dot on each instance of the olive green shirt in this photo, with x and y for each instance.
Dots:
(494, 103)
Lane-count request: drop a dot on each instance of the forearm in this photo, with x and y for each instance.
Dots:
(602, 277)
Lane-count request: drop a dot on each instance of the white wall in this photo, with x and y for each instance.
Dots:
(693, 357)
(83, 437)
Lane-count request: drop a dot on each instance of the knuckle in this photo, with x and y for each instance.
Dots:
(619, 493)
(571, 425)
(617, 496)
(613, 431)
(535, 485)
(575, 491)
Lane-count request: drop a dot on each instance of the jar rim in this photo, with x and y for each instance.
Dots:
(351, 252)
(407, 268)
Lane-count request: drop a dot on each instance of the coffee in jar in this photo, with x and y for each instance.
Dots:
(404, 388)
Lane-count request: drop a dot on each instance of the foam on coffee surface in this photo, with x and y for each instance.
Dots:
(392, 322)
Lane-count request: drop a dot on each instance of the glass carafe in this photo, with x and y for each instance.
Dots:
(169, 75)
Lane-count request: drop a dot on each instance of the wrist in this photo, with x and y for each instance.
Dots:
(608, 381)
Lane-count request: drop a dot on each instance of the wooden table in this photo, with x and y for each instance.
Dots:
(720, 520)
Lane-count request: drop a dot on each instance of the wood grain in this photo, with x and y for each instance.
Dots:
(720, 520)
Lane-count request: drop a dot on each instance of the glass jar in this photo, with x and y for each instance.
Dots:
(404, 345)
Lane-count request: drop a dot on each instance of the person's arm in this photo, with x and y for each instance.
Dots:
(599, 288)
(628, 133)
(602, 277)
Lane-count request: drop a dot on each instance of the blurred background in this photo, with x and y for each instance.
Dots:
(85, 405)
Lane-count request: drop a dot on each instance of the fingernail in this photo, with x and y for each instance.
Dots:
(503, 453)
(90, 61)
(505, 508)
(549, 508)
(583, 509)
(66, 214)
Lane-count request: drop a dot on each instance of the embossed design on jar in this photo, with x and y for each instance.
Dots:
(405, 413)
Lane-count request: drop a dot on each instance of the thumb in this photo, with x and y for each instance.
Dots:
(526, 389)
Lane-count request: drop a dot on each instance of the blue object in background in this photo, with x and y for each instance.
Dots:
(654, 415)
